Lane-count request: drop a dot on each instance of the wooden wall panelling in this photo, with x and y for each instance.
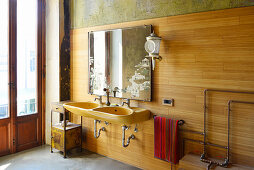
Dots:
(203, 50)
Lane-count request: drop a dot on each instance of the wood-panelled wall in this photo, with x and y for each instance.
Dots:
(203, 50)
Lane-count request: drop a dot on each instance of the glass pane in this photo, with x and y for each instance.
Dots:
(26, 57)
(4, 96)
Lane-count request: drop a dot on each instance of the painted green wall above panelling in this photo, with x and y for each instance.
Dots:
(87, 13)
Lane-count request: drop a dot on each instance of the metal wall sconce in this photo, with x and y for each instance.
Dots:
(152, 46)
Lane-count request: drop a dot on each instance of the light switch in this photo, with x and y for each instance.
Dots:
(168, 102)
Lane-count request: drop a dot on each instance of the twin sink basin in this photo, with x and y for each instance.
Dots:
(111, 114)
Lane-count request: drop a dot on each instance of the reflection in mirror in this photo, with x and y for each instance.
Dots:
(117, 62)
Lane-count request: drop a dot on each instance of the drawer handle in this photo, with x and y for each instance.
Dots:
(57, 108)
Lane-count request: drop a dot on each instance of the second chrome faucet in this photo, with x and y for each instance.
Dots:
(127, 102)
(107, 92)
(99, 98)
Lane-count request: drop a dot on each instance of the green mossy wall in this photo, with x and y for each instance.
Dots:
(87, 13)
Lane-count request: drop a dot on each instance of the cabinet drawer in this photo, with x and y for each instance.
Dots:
(57, 108)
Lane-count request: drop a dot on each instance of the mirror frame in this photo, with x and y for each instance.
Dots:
(124, 28)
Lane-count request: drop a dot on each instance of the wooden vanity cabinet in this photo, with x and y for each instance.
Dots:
(67, 137)
(73, 137)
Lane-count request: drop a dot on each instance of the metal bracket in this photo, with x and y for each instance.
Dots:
(136, 129)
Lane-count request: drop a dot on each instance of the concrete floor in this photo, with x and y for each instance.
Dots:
(40, 158)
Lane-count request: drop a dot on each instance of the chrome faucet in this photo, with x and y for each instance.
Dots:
(107, 92)
(127, 102)
(115, 91)
(99, 98)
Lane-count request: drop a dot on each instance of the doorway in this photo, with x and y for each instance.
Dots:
(21, 75)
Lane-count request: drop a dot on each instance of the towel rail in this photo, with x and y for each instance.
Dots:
(180, 122)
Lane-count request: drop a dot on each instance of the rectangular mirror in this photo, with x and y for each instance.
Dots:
(117, 61)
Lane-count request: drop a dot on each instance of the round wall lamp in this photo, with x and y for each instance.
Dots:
(152, 46)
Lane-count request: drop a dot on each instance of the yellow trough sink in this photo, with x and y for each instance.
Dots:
(81, 108)
(118, 115)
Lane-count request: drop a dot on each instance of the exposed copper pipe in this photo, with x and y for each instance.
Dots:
(202, 143)
(203, 156)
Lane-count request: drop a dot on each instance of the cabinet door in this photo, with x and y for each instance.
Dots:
(58, 139)
(73, 138)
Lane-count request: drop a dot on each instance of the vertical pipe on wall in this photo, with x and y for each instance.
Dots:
(205, 107)
(229, 109)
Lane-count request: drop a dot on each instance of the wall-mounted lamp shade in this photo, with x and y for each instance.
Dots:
(152, 46)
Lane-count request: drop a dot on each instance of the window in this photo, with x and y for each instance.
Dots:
(26, 56)
(4, 94)
(32, 61)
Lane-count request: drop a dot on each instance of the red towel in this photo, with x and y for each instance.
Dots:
(157, 137)
(166, 139)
